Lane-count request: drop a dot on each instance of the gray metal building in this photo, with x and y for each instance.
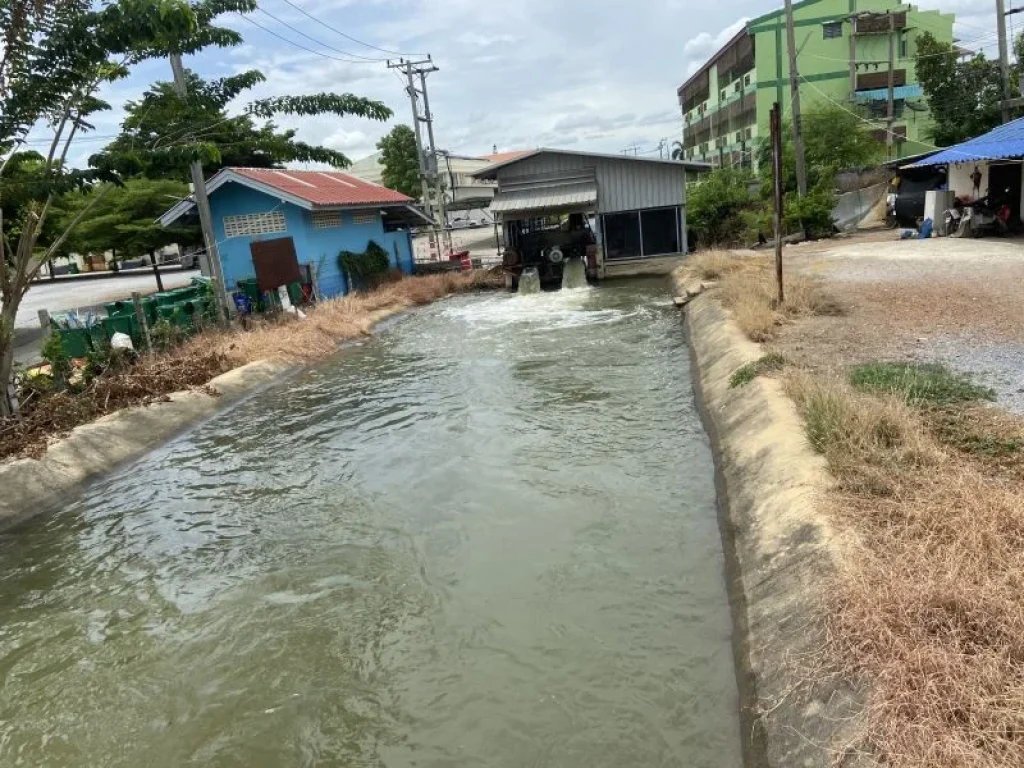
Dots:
(638, 204)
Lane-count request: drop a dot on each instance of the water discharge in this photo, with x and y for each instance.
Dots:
(486, 538)
(574, 274)
(529, 281)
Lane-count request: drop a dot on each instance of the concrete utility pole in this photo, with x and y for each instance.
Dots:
(794, 87)
(433, 194)
(203, 206)
(890, 109)
(1004, 57)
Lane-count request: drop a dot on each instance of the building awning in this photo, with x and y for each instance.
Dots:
(548, 198)
(1003, 143)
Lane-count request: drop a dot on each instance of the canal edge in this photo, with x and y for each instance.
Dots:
(781, 551)
(93, 450)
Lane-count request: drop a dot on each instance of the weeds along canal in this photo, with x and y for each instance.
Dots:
(485, 537)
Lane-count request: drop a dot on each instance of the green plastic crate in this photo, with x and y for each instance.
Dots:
(76, 342)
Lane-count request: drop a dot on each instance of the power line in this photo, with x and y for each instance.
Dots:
(347, 36)
(313, 39)
(300, 45)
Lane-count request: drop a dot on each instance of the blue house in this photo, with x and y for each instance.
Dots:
(323, 212)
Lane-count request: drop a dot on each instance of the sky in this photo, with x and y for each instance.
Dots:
(597, 75)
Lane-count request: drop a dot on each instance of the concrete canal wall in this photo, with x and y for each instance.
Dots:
(32, 486)
(781, 551)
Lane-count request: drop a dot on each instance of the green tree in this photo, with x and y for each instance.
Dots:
(717, 208)
(963, 94)
(401, 164)
(161, 133)
(125, 220)
(56, 55)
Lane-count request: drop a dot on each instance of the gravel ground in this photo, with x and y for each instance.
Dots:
(960, 302)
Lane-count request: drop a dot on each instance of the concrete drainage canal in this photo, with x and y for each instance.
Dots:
(486, 537)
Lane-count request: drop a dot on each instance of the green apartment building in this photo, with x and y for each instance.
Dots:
(843, 51)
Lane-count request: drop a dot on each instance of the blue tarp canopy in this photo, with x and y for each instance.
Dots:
(1004, 143)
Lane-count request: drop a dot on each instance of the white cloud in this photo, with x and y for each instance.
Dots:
(596, 74)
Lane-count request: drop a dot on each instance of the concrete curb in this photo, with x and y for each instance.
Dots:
(781, 552)
(33, 486)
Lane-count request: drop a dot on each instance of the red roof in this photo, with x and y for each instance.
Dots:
(323, 187)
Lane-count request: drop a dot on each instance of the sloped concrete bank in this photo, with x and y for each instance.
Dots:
(780, 550)
(34, 486)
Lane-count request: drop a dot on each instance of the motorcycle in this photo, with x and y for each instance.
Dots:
(989, 215)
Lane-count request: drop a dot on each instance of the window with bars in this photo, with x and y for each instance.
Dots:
(832, 30)
(326, 219)
(364, 217)
(254, 224)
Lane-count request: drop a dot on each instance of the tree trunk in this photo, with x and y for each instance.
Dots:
(156, 274)
(7, 315)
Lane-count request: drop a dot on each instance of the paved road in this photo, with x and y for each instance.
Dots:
(84, 294)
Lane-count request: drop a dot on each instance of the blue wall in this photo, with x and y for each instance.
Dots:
(319, 247)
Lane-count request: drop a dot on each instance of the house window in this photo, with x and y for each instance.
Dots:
(326, 219)
(254, 224)
(365, 217)
(832, 30)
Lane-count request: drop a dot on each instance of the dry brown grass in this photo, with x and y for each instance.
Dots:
(751, 294)
(929, 613)
(710, 265)
(335, 321)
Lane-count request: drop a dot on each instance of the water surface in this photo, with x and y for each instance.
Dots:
(486, 537)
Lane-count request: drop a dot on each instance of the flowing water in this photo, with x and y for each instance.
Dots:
(486, 537)
(574, 274)
(529, 281)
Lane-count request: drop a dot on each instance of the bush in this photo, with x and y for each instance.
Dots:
(60, 364)
(365, 269)
(745, 374)
(716, 207)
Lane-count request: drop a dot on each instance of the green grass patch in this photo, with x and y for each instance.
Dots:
(745, 374)
(918, 383)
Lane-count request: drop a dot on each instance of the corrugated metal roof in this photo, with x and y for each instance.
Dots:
(1003, 143)
(545, 198)
(323, 187)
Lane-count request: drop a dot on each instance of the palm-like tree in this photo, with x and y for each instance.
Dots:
(677, 150)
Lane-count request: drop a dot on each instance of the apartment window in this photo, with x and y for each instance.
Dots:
(903, 45)
(832, 30)
(739, 136)
(326, 219)
(746, 80)
(364, 217)
(723, 95)
(254, 224)
(749, 133)
(738, 86)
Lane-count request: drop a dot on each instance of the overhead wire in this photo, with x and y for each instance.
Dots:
(322, 23)
(300, 45)
(328, 46)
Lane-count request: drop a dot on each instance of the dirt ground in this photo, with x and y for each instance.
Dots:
(960, 302)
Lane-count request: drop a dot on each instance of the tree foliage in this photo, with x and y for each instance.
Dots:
(163, 133)
(400, 161)
(963, 94)
(717, 207)
(125, 219)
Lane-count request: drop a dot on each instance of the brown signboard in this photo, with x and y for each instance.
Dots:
(275, 262)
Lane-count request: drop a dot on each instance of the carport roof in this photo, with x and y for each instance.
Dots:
(490, 172)
(1003, 143)
(545, 198)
